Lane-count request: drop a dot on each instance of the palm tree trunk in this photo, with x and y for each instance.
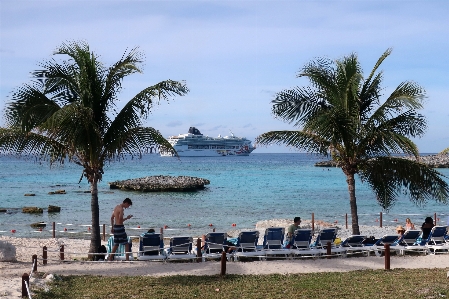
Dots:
(95, 239)
(353, 203)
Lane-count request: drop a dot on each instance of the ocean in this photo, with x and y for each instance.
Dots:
(242, 191)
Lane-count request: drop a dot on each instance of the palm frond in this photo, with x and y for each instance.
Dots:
(29, 107)
(391, 176)
(300, 140)
(29, 144)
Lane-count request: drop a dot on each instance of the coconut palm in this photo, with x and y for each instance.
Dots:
(341, 114)
(71, 111)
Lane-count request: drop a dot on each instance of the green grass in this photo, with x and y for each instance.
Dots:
(398, 283)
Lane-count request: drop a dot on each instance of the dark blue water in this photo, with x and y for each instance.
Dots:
(243, 190)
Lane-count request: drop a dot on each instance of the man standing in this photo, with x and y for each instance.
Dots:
(118, 229)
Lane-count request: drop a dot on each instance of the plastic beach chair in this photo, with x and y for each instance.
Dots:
(119, 254)
(180, 248)
(437, 242)
(215, 245)
(378, 247)
(354, 245)
(326, 236)
(151, 247)
(247, 245)
(273, 240)
(408, 242)
(300, 244)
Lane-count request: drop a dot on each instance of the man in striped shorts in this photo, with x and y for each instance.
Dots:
(118, 229)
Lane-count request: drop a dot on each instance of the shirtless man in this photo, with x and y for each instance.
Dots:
(118, 229)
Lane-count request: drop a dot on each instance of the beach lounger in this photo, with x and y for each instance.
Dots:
(378, 248)
(326, 236)
(151, 247)
(301, 244)
(272, 242)
(215, 245)
(180, 248)
(354, 245)
(247, 245)
(408, 243)
(119, 254)
(437, 242)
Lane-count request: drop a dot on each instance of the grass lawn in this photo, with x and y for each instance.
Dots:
(398, 283)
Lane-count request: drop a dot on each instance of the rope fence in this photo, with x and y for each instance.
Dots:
(376, 219)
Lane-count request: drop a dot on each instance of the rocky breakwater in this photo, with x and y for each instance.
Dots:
(160, 183)
(434, 161)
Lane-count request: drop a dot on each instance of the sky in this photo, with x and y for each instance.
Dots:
(236, 55)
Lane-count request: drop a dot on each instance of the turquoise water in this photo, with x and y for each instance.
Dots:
(243, 190)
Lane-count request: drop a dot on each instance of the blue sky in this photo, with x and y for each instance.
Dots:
(235, 55)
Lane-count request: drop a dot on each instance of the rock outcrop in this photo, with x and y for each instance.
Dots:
(54, 209)
(434, 161)
(38, 225)
(57, 192)
(32, 210)
(161, 183)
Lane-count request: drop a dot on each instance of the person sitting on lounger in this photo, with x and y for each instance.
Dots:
(427, 227)
(400, 230)
(291, 231)
(408, 224)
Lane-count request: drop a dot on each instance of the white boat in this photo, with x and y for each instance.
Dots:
(195, 144)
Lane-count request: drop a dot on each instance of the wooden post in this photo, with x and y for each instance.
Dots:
(313, 222)
(435, 218)
(346, 220)
(53, 233)
(387, 256)
(34, 261)
(61, 252)
(199, 254)
(328, 250)
(44, 255)
(380, 219)
(25, 280)
(104, 232)
(223, 263)
(162, 231)
(213, 230)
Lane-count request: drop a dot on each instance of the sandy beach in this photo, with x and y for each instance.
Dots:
(76, 250)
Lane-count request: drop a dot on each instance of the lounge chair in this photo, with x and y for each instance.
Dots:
(378, 247)
(437, 242)
(300, 245)
(408, 242)
(273, 240)
(354, 245)
(151, 247)
(180, 248)
(119, 254)
(247, 245)
(326, 236)
(215, 245)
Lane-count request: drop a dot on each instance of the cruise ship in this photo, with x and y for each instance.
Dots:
(195, 144)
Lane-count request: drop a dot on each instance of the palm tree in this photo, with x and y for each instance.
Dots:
(340, 114)
(70, 111)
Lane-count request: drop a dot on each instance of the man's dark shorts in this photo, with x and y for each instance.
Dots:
(120, 236)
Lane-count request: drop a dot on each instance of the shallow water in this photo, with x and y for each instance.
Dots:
(243, 190)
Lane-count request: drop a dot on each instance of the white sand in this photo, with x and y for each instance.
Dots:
(75, 249)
